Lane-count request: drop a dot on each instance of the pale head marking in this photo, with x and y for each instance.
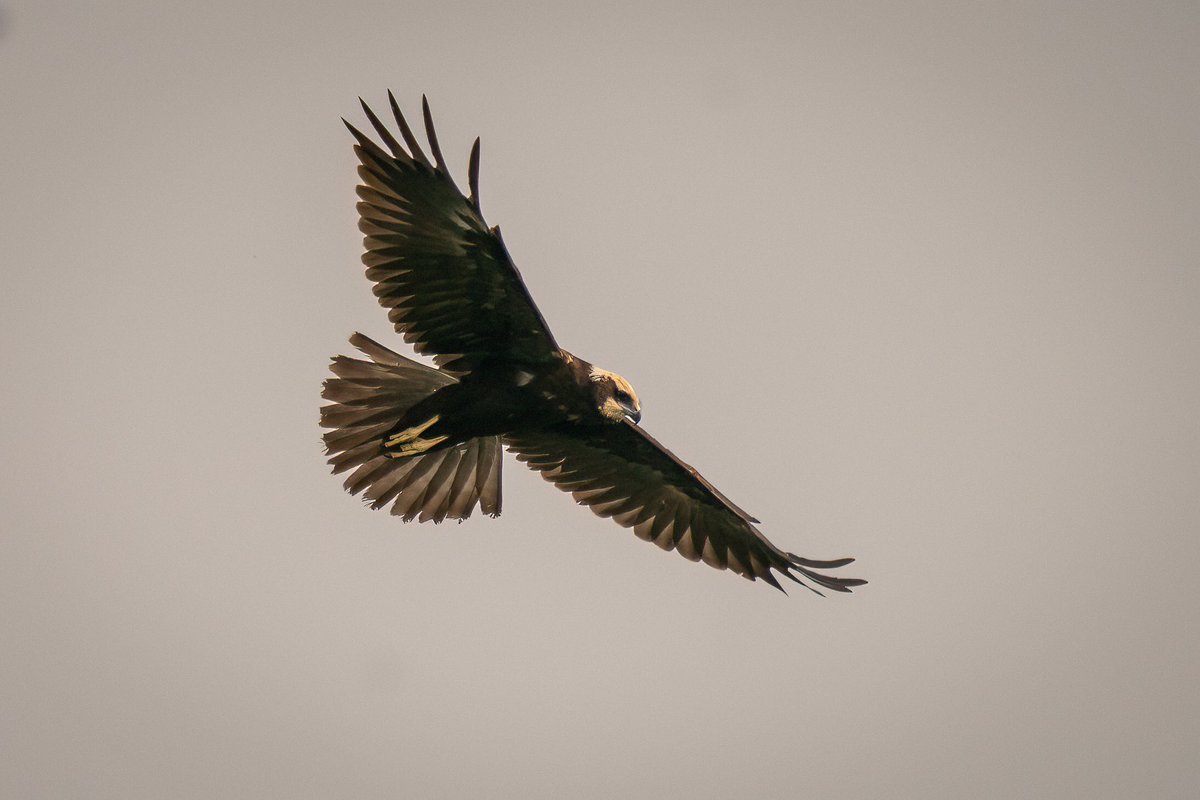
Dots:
(610, 406)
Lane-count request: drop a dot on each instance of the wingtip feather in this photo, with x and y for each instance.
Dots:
(383, 132)
(414, 147)
(473, 174)
(431, 135)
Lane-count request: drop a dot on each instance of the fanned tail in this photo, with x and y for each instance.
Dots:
(367, 399)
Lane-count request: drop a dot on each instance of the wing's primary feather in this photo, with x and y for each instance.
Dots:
(413, 146)
(622, 472)
(446, 278)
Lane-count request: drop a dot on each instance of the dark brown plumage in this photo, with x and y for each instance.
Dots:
(427, 441)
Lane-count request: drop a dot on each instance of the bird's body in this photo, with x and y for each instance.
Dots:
(427, 441)
(498, 398)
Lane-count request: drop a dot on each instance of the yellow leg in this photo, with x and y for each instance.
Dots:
(409, 442)
(415, 447)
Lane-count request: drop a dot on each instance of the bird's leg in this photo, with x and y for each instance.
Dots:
(409, 442)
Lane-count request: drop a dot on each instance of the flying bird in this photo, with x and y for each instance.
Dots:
(427, 441)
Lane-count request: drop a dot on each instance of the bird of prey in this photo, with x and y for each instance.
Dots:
(428, 441)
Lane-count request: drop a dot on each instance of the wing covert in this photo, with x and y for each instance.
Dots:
(447, 280)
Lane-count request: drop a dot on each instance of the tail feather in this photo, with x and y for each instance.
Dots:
(463, 489)
(380, 354)
(408, 504)
(346, 437)
(434, 501)
(367, 399)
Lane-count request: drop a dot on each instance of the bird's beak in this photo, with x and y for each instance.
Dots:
(635, 414)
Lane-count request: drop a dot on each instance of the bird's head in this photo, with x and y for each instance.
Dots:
(615, 398)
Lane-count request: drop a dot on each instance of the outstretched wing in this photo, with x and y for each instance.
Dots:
(620, 471)
(446, 278)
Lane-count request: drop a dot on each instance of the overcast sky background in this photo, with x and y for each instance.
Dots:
(912, 282)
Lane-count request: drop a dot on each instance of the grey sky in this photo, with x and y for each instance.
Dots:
(916, 283)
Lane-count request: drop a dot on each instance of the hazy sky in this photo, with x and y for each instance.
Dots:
(913, 282)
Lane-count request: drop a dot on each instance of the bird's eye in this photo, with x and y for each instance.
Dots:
(622, 396)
